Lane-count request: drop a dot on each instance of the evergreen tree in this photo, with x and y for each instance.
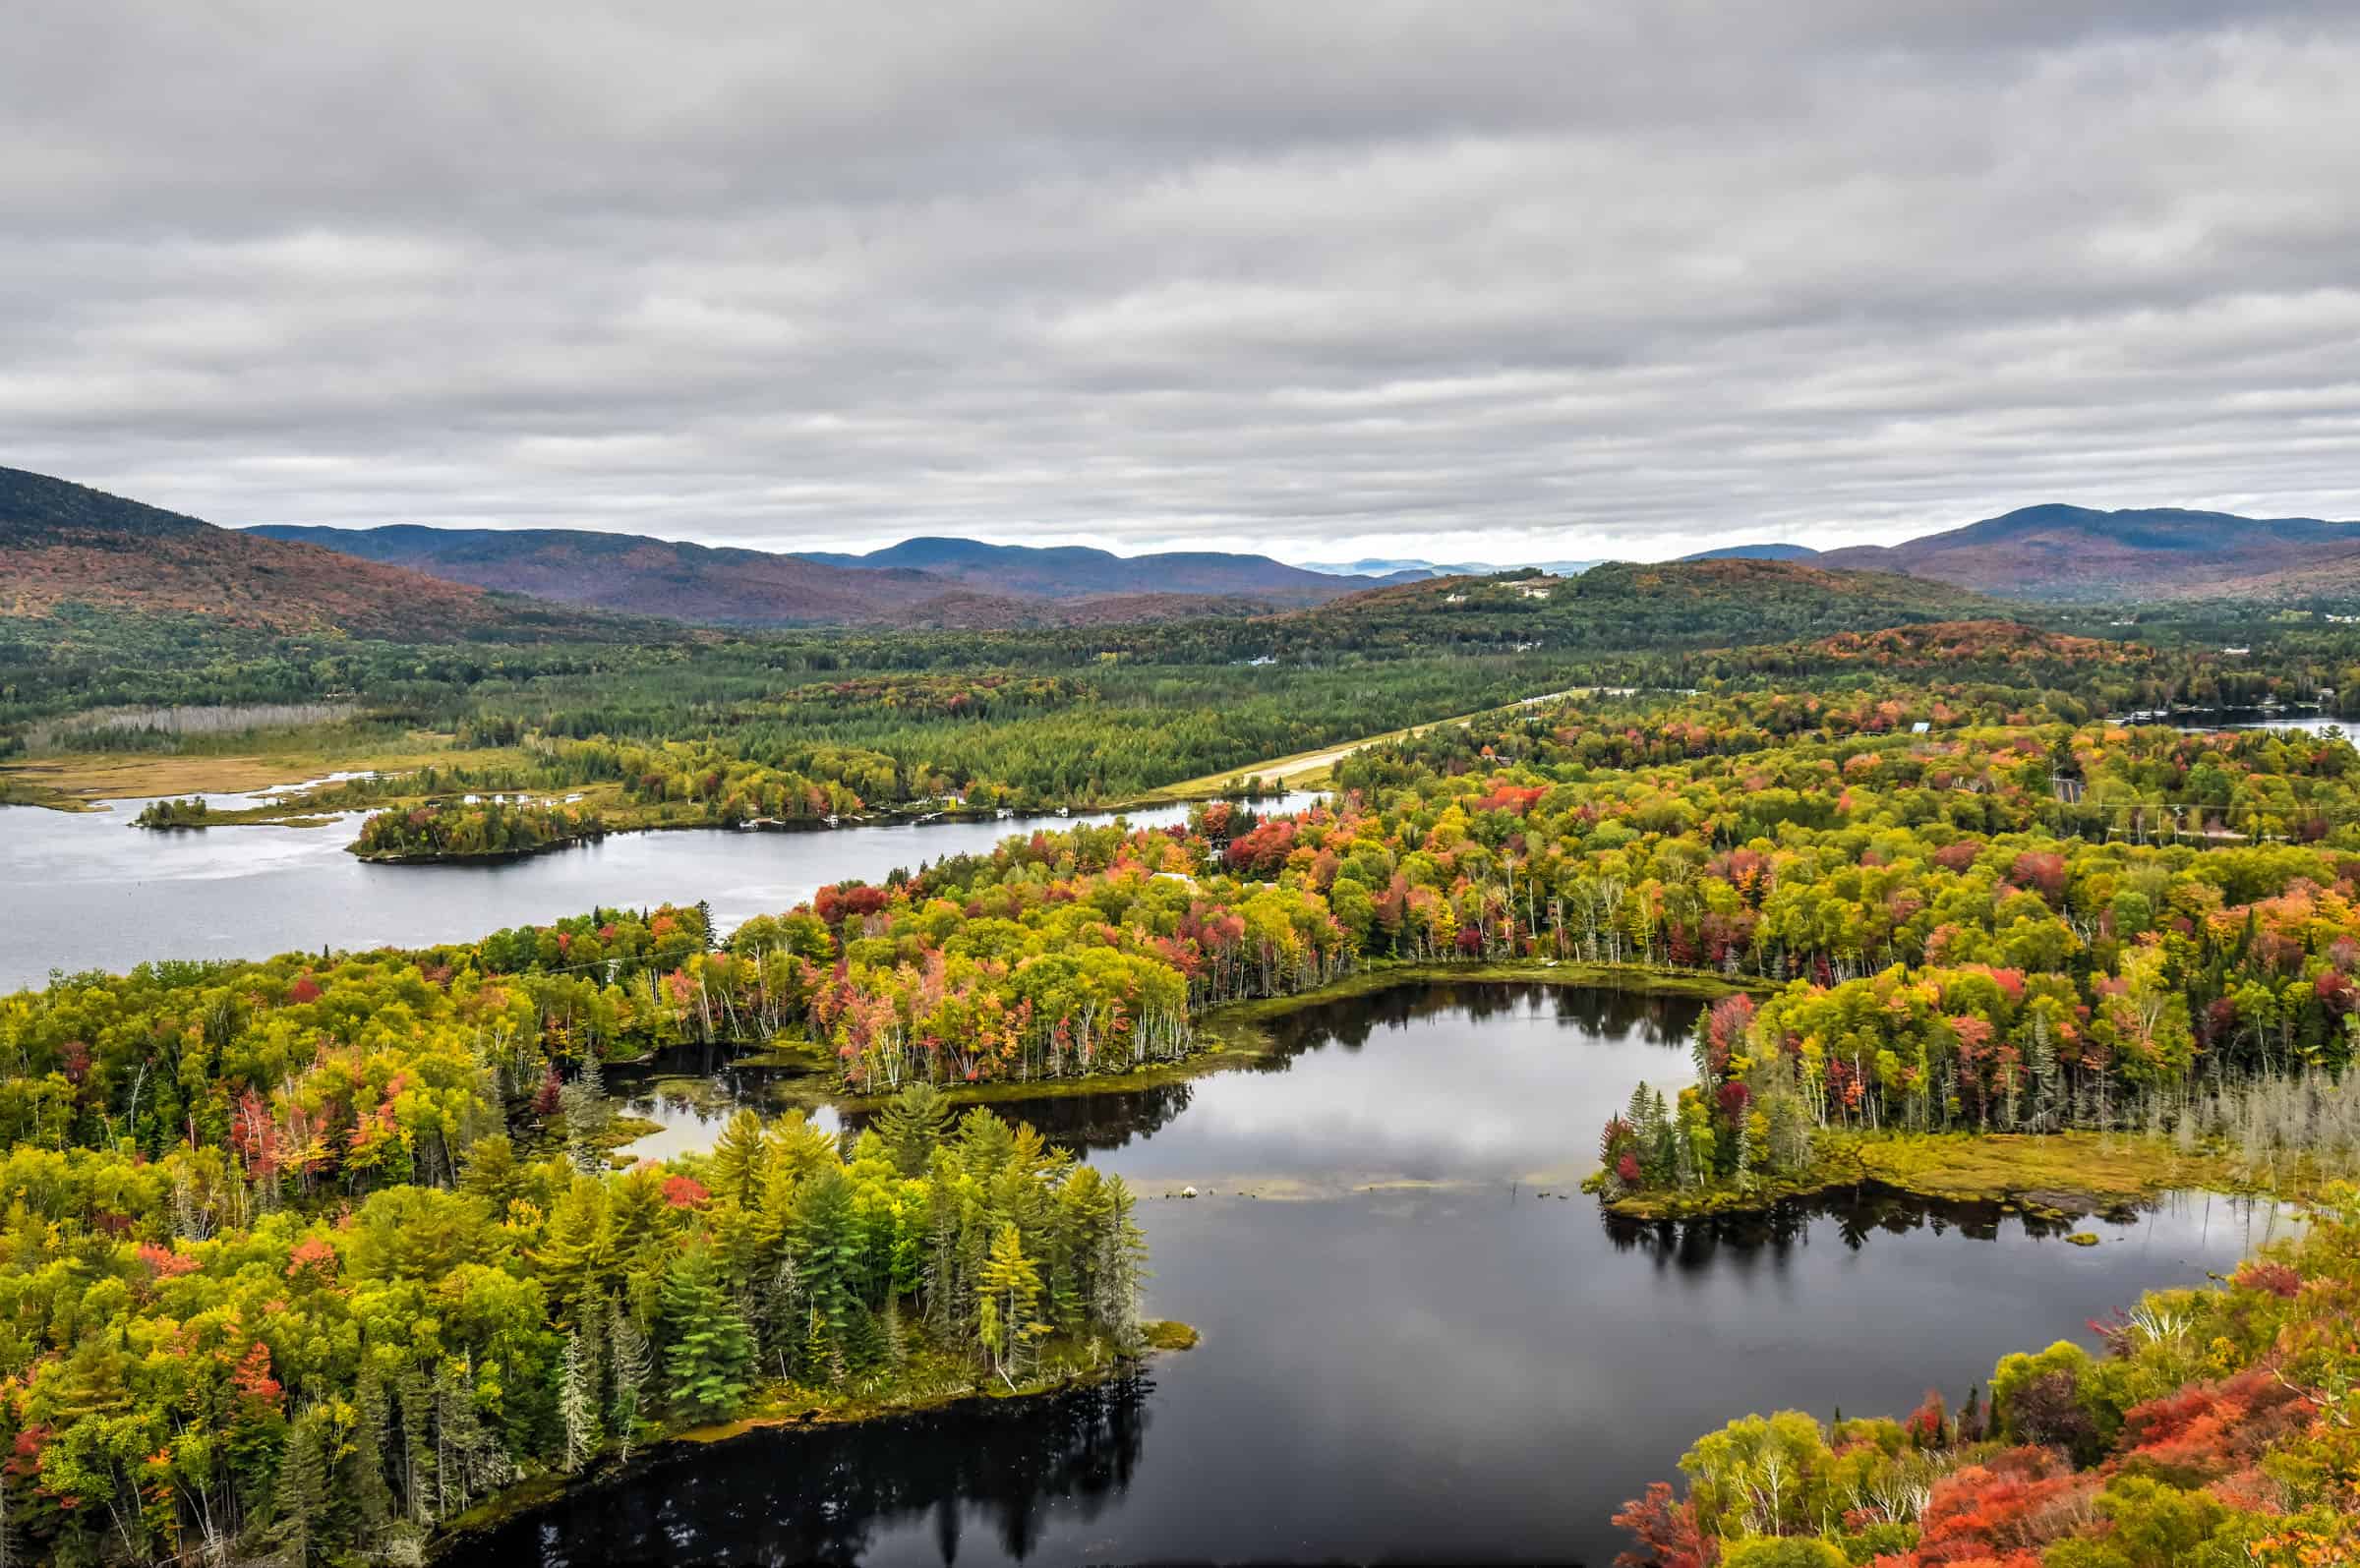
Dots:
(1007, 1293)
(738, 1165)
(912, 1125)
(633, 1365)
(577, 1258)
(577, 1401)
(1118, 1267)
(827, 1253)
(415, 1396)
(302, 1493)
(709, 1354)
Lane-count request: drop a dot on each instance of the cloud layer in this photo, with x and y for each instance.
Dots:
(1465, 279)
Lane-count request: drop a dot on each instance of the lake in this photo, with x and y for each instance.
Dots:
(86, 890)
(1420, 1342)
(2200, 722)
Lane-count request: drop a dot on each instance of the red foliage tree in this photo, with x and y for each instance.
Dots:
(1667, 1533)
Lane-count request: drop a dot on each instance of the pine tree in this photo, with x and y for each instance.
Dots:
(490, 1172)
(738, 1160)
(827, 1253)
(415, 1397)
(577, 1256)
(1700, 1048)
(1007, 1293)
(372, 1427)
(1119, 1265)
(912, 1125)
(778, 1314)
(710, 1354)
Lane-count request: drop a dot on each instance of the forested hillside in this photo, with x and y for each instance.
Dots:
(79, 563)
(1620, 606)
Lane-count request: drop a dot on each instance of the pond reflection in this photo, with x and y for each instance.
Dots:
(1413, 1350)
(795, 1494)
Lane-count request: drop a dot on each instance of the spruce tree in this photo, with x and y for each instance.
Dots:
(709, 1355)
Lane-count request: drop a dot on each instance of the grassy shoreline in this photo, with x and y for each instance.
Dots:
(2055, 1173)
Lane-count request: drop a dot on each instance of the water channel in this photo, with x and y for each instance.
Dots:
(1420, 1342)
(87, 891)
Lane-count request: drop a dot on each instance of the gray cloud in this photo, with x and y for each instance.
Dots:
(1468, 279)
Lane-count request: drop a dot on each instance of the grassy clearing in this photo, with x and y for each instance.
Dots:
(77, 778)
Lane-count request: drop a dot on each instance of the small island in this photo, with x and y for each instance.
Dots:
(480, 833)
(192, 812)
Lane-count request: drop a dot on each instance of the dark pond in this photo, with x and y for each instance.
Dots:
(1416, 1346)
(87, 891)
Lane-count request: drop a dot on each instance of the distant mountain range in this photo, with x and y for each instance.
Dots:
(1073, 571)
(1410, 571)
(2063, 552)
(64, 543)
(923, 582)
(630, 572)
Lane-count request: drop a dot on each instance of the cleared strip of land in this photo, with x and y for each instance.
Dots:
(1306, 769)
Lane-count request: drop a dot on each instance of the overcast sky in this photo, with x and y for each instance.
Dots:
(1325, 279)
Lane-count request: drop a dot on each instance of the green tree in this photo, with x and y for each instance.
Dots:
(1007, 1297)
(912, 1125)
(709, 1354)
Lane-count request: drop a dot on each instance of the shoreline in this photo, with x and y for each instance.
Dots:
(2049, 1175)
(1238, 1040)
(1161, 1337)
(87, 782)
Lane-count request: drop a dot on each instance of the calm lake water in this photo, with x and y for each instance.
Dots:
(87, 891)
(2307, 723)
(1417, 1345)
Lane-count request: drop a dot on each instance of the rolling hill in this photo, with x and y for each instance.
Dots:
(66, 546)
(1620, 606)
(2075, 552)
(1756, 553)
(919, 582)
